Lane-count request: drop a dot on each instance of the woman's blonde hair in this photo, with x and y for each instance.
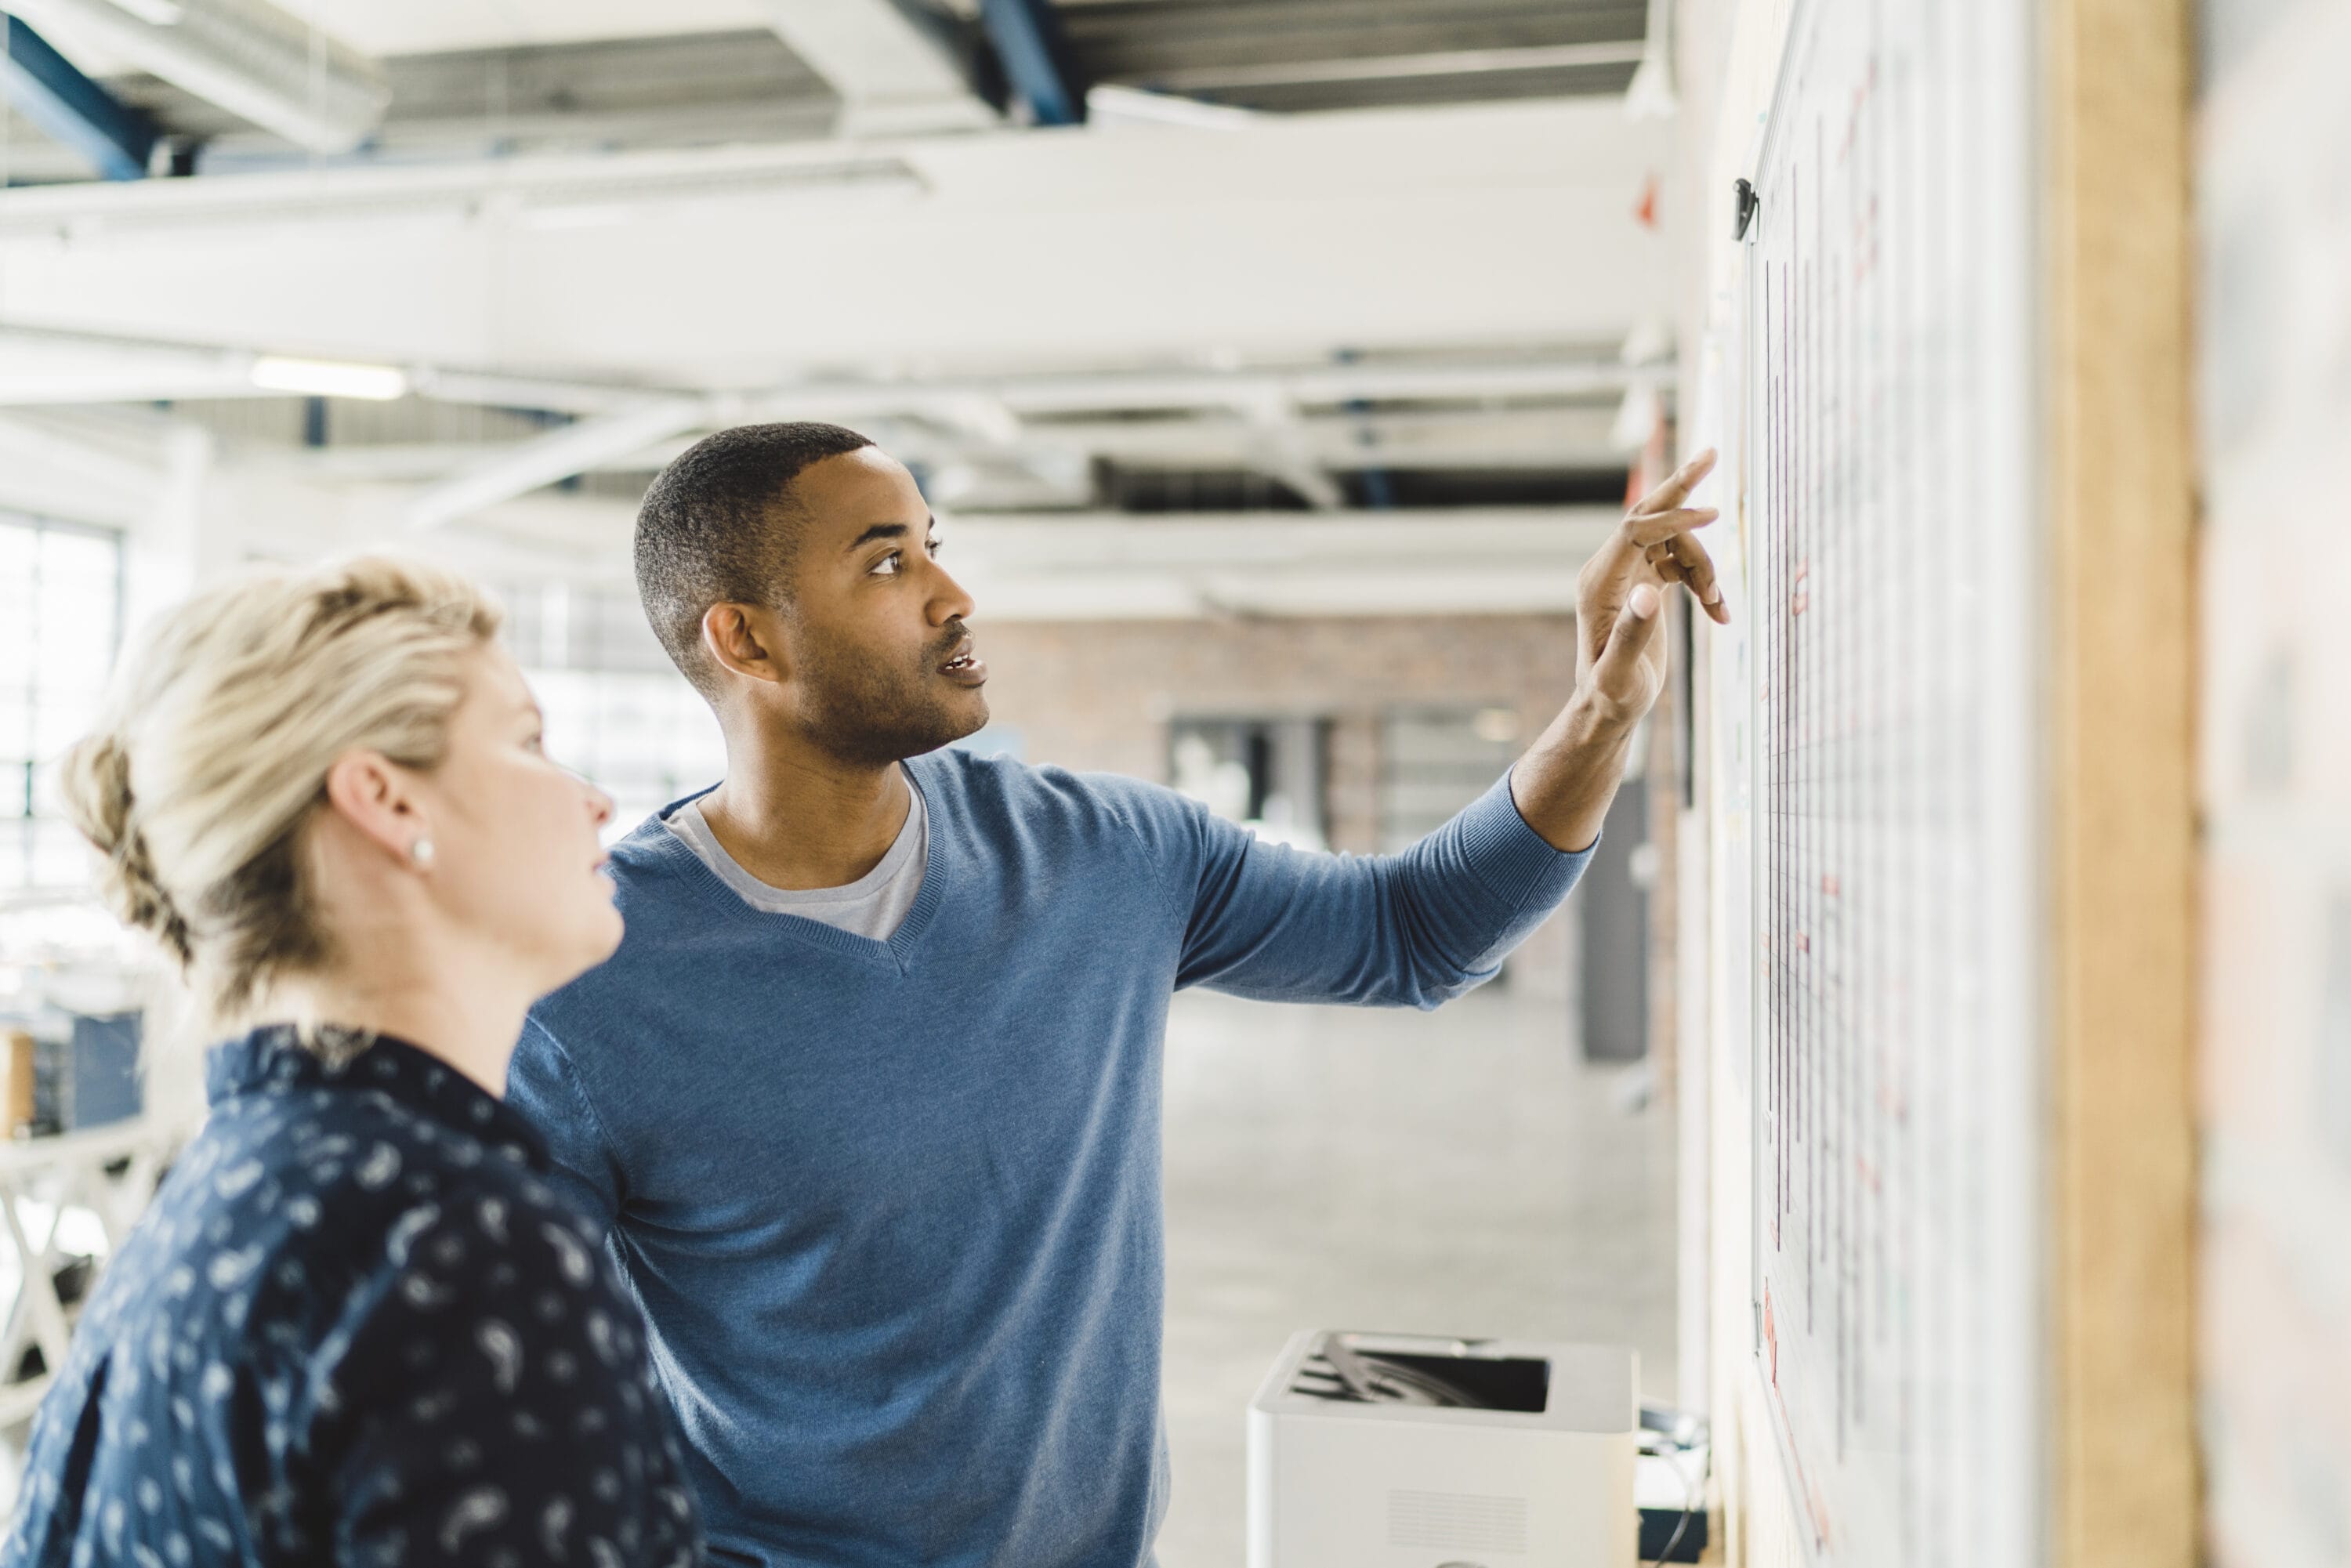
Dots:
(214, 745)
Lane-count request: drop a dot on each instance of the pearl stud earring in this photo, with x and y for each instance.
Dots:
(420, 852)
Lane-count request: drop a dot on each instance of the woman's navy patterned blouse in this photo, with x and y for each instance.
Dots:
(356, 1327)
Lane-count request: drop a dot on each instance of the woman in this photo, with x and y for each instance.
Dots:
(355, 1326)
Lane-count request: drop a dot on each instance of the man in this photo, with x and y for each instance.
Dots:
(870, 1093)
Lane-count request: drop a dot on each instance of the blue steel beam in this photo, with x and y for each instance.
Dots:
(49, 90)
(1028, 38)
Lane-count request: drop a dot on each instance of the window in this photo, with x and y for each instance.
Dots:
(617, 710)
(643, 738)
(60, 622)
(1435, 760)
(1265, 774)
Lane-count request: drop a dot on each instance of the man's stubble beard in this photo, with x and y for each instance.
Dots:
(868, 716)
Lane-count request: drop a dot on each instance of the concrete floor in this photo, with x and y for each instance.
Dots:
(1460, 1172)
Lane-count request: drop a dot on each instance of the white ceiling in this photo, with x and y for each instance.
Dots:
(810, 278)
(423, 27)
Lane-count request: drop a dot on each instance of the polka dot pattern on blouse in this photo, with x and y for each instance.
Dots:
(358, 1327)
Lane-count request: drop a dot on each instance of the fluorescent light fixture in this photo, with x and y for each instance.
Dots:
(330, 378)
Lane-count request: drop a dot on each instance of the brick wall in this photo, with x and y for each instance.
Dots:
(1099, 694)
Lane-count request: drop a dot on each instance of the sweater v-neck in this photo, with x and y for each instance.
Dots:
(673, 855)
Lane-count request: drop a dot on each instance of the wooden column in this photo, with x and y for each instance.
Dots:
(2122, 848)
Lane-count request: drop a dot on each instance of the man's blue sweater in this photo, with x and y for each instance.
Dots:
(892, 1210)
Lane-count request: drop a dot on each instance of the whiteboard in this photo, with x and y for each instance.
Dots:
(1889, 377)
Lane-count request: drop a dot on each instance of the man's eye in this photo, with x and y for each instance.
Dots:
(889, 564)
(935, 545)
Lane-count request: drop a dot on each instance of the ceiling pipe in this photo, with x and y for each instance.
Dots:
(1036, 59)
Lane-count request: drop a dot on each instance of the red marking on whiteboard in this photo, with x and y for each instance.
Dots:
(1804, 942)
(1829, 883)
(1646, 210)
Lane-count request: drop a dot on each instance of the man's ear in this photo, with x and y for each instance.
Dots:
(746, 638)
(368, 792)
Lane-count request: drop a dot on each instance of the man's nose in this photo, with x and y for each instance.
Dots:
(948, 600)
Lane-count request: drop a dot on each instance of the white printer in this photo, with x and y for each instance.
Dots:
(1403, 1451)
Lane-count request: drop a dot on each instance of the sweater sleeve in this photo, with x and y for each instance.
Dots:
(1413, 929)
(544, 1087)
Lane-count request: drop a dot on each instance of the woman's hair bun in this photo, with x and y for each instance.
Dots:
(96, 780)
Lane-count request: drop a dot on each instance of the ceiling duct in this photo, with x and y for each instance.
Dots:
(552, 193)
(247, 56)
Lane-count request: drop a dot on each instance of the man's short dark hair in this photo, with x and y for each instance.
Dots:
(717, 527)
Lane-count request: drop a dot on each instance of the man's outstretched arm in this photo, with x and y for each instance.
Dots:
(1417, 928)
(1563, 784)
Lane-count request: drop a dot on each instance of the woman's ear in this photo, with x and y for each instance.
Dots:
(371, 793)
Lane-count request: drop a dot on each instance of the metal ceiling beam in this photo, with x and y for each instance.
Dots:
(561, 453)
(1091, 566)
(247, 56)
(1251, 539)
(1030, 396)
(892, 74)
(1029, 40)
(1544, 438)
(48, 465)
(1282, 450)
(52, 92)
(41, 365)
(1392, 67)
(526, 100)
(1276, 219)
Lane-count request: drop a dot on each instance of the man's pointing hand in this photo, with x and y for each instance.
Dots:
(1620, 665)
